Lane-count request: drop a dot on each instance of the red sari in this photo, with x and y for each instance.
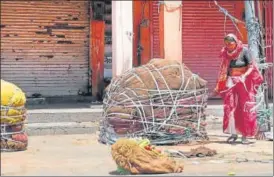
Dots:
(239, 99)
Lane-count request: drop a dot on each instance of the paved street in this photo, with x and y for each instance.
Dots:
(83, 155)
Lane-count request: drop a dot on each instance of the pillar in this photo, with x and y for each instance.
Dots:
(122, 37)
(173, 30)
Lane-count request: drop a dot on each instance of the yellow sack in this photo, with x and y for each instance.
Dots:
(13, 111)
(12, 115)
(11, 95)
(12, 120)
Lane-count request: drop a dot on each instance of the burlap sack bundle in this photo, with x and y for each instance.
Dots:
(137, 160)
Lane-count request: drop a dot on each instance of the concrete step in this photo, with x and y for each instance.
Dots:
(76, 120)
(64, 128)
(61, 128)
(72, 125)
(65, 115)
(42, 101)
(81, 118)
(86, 113)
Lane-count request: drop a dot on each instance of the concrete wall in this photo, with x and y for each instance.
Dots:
(172, 30)
(122, 41)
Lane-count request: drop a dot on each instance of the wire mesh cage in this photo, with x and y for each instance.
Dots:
(13, 135)
(13, 116)
(162, 101)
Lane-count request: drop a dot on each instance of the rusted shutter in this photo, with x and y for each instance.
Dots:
(203, 30)
(108, 40)
(44, 46)
(142, 26)
(156, 32)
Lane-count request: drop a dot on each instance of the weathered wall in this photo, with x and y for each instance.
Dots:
(122, 37)
(44, 46)
(173, 30)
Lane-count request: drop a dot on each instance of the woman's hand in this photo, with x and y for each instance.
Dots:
(243, 77)
(249, 70)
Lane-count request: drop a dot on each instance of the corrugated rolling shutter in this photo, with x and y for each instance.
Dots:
(44, 46)
(108, 40)
(203, 30)
(155, 20)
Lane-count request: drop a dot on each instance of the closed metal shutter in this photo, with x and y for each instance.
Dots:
(44, 46)
(203, 30)
(108, 40)
(155, 29)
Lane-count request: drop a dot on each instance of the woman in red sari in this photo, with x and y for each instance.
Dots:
(237, 84)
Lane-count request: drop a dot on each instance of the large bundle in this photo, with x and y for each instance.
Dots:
(13, 114)
(162, 101)
(138, 157)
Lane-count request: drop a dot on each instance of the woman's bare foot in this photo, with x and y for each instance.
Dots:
(232, 139)
(245, 140)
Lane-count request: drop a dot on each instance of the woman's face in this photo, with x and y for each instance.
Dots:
(230, 45)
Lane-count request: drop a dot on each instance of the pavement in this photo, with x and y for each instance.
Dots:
(81, 154)
(63, 141)
(76, 117)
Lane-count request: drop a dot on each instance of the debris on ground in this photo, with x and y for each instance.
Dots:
(197, 152)
(240, 160)
(139, 157)
(231, 173)
(175, 153)
(201, 152)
